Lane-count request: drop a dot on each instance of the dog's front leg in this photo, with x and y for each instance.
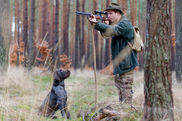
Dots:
(52, 115)
(62, 107)
(61, 99)
(67, 113)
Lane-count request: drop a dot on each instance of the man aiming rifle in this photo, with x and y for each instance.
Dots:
(121, 30)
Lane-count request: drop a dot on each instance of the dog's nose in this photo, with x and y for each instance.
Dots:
(67, 71)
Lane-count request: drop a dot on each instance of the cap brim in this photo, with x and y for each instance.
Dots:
(114, 9)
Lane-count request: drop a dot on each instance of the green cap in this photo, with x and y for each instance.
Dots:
(114, 6)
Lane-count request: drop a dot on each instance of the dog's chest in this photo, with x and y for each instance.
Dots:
(60, 91)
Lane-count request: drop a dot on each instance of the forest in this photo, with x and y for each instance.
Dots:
(38, 37)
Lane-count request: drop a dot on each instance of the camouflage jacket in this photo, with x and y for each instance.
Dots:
(121, 33)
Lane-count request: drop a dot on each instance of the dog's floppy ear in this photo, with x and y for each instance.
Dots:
(56, 75)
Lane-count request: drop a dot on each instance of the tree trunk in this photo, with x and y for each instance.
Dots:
(178, 40)
(25, 30)
(40, 23)
(142, 27)
(96, 38)
(140, 55)
(102, 42)
(55, 35)
(65, 27)
(72, 27)
(45, 20)
(16, 37)
(107, 55)
(31, 35)
(124, 7)
(133, 11)
(2, 51)
(17, 28)
(119, 2)
(173, 39)
(5, 33)
(89, 56)
(83, 40)
(158, 81)
(77, 38)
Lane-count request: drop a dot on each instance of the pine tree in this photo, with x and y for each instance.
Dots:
(158, 78)
(178, 40)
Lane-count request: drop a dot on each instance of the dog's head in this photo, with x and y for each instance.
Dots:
(61, 74)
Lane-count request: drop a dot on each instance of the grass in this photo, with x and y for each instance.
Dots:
(21, 94)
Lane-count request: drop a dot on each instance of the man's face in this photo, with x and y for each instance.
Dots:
(112, 15)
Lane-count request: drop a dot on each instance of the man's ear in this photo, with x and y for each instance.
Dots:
(56, 76)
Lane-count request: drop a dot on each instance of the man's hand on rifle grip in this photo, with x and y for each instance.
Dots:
(92, 19)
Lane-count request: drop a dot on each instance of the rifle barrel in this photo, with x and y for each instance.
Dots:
(83, 13)
(86, 14)
(90, 14)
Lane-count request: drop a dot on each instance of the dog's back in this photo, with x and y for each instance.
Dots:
(44, 108)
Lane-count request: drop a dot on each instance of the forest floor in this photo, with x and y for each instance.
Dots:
(21, 94)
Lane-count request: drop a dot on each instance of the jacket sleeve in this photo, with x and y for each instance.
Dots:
(120, 29)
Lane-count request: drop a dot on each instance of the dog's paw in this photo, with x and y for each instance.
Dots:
(54, 117)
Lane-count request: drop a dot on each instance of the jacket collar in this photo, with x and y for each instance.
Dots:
(121, 19)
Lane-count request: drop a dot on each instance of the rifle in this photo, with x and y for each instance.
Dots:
(97, 14)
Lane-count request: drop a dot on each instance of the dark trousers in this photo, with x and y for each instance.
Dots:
(124, 83)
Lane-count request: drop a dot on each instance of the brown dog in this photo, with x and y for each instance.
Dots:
(57, 97)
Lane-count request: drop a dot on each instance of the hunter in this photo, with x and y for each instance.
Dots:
(120, 29)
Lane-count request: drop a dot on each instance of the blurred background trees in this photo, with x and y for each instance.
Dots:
(48, 34)
(30, 23)
(27, 24)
